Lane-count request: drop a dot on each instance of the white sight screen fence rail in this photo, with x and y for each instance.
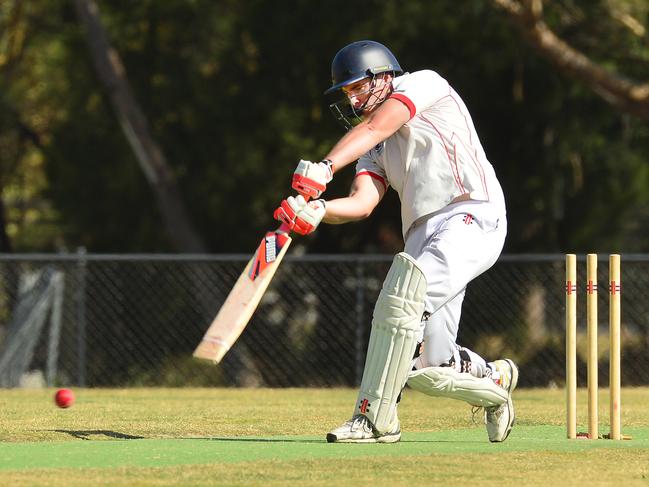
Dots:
(134, 320)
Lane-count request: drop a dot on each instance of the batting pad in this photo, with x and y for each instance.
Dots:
(396, 321)
(447, 382)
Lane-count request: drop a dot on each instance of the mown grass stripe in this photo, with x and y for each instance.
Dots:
(192, 451)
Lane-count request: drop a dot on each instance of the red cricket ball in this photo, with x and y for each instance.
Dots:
(64, 398)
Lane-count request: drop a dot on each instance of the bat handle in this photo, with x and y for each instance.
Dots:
(284, 228)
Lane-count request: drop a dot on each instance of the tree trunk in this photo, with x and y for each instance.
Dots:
(152, 161)
(239, 365)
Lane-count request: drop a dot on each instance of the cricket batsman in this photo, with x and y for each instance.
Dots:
(412, 132)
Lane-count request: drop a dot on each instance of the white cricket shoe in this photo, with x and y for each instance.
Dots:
(359, 429)
(500, 419)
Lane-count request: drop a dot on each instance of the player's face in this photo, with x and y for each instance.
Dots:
(361, 98)
(358, 93)
(367, 94)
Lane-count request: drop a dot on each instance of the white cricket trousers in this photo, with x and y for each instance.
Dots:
(453, 247)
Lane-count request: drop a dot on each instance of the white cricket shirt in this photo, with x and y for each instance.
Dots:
(436, 156)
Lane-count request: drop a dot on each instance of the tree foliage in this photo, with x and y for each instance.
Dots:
(232, 92)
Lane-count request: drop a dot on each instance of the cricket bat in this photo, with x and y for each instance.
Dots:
(242, 301)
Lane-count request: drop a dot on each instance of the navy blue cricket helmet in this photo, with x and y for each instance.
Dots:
(354, 62)
(361, 59)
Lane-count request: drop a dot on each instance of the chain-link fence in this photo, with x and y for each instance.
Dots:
(120, 320)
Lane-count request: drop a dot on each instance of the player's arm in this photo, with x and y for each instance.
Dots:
(378, 126)
(366, 193)
(304, 216)
(310, 179)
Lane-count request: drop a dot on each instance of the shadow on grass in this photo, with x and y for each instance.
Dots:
(257, 440)
(87, 434)
(311, 440)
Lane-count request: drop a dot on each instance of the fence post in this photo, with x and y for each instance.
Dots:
(360, 320)
(80, 300)
(57, 288)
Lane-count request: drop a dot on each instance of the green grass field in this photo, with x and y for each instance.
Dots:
(276, 436)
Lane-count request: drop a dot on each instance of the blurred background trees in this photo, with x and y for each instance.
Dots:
(232, 95)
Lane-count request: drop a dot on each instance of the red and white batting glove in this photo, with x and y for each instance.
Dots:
(311, 178)
(300, 216)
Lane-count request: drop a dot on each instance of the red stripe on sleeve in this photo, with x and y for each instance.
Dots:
(373, 175)
(406, 101)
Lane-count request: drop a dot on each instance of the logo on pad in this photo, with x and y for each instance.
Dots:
(364, 406)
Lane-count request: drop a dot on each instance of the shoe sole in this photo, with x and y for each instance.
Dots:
(514, 381)
(331, 438)
(510, 403)
(389, 438)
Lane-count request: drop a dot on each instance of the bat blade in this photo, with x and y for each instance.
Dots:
(242, 301)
